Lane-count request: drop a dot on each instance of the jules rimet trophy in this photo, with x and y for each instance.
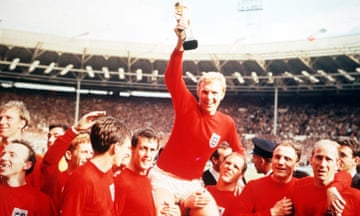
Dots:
(182, 16)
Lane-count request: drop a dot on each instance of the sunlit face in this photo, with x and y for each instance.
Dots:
(324, 163)
(11, 124)
(143, 155)
(284, 162)
(231, 168)
(13, 160)
(122, 152)
(81, 154)
(53, 134)
(347, 162)
(210, 94)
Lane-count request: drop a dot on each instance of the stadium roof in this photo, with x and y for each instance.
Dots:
(293, 46)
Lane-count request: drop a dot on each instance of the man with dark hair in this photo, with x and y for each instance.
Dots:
(90, 189)
(16, 196)
(144, 147)
(55, 130)
(349, 159)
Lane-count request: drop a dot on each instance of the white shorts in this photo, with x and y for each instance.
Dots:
(181, 188)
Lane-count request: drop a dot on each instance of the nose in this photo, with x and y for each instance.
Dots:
(281, 160)
(322, 162)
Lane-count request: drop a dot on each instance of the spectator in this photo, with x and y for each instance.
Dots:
(310, 195)
(16, 196)
(211, 175)
(198, 129)
(262, 154)
(90, 188)
(349, 160)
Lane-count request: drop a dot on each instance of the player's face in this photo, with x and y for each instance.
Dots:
(142, 157)
(324, 163)
(53, 134)
(13, 160)
(82, 153)
(231, 168)
(10, 123)
(347, 161)
(210, 94)
(284, 161)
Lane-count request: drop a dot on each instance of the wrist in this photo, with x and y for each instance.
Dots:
(75, 129)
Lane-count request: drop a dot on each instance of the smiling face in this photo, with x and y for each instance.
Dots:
(14, 161)
(210, 91)
(143, 155)
(80, 155)
(11, 123)
(284, 162)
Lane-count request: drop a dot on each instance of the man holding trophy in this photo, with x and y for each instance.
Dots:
(182, 16)
(199, 128)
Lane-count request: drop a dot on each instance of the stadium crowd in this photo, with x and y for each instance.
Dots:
(303, 122)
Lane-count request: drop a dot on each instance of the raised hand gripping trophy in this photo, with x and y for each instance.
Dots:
(183, 19)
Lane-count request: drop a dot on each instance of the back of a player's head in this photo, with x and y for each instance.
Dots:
(106, 132)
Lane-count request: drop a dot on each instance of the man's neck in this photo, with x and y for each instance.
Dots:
(224, 186)
(16, 181)
(281, 180)
(103, 162)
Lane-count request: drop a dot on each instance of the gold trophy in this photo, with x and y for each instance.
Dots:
(182, 16)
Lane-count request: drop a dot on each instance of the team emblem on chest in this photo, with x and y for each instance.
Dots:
(214, 140)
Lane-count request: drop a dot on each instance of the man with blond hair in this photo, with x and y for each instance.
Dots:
(310, 194)
(198, 130)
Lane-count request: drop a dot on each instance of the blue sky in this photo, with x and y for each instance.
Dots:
(213, 21)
